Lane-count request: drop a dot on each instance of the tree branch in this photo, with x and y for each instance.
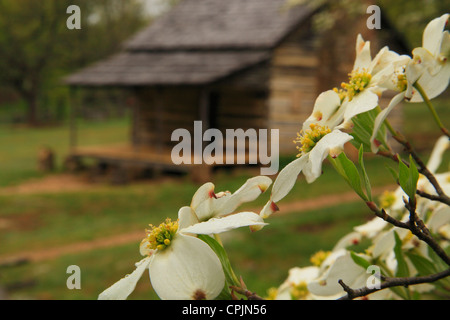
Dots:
(391, 282)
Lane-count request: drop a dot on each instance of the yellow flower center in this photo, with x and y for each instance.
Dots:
(309, 138)
(342, 94)
(299, 291)
(402, 83)
(161, 237)
(319, 257)
(358, 81)
(272, 293)
(387, 199)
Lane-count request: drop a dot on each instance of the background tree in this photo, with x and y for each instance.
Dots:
(37, 48)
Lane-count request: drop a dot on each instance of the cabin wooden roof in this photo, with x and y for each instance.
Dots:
(220, 24)
(165, 68)
(197, 42)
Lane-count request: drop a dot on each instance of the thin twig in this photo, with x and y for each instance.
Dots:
(248, 294)
(381, 213)
(421, 232)
(422, 168)
(445, 200)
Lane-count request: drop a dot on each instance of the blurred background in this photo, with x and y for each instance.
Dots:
(60, 206)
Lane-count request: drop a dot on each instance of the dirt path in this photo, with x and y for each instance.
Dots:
(136, 236)
(50, 184)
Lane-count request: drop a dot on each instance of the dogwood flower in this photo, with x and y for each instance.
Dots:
(429, 67)
(361, 93)
(343, 268)
(207, 204)
(439, 221)
(368, 230)
(295, 287)
(318, 143)
(181, 266)
(317, 140)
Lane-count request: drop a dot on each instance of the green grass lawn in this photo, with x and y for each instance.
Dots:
(19, 145)
(54, 219)
(262, 258)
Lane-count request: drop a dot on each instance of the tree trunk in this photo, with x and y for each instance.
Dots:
(32, 106)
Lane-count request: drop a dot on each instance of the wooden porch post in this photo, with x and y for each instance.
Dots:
(72, 162)
(203, 172)
(135, 125)
(73, 101)
(159, 125)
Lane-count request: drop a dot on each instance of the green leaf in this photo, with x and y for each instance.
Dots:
(393, 173)
(223, 257)
(360, 261)
(422, 264)
(408, 177)
(437, 261)
(366, 180)
(363, 125)
(414, 175)
(402, 267)
(348, 170)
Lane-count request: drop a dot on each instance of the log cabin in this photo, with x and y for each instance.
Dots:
(230, 64)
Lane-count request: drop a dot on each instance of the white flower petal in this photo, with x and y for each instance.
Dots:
(432, 35)
(219, 225)
(440, 147)
(208, 204)
(445, 46)
(202, 201)
(144, 248)
(125, 286)
(371, 228)
(386, 242)
(433, 85)
(413, 72)
(382, 76)
(188, 268)
(344, 269)
(332, 141)
(362, 102)
(439, 218)
(325, 110)
(287, 177)
(296, 276)
(306, 274)
(363, 57)
(382, 116)
(186, 218)
(249, 191)
(348, 240)
(267, 210)
(379, 62)
(387, 57)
